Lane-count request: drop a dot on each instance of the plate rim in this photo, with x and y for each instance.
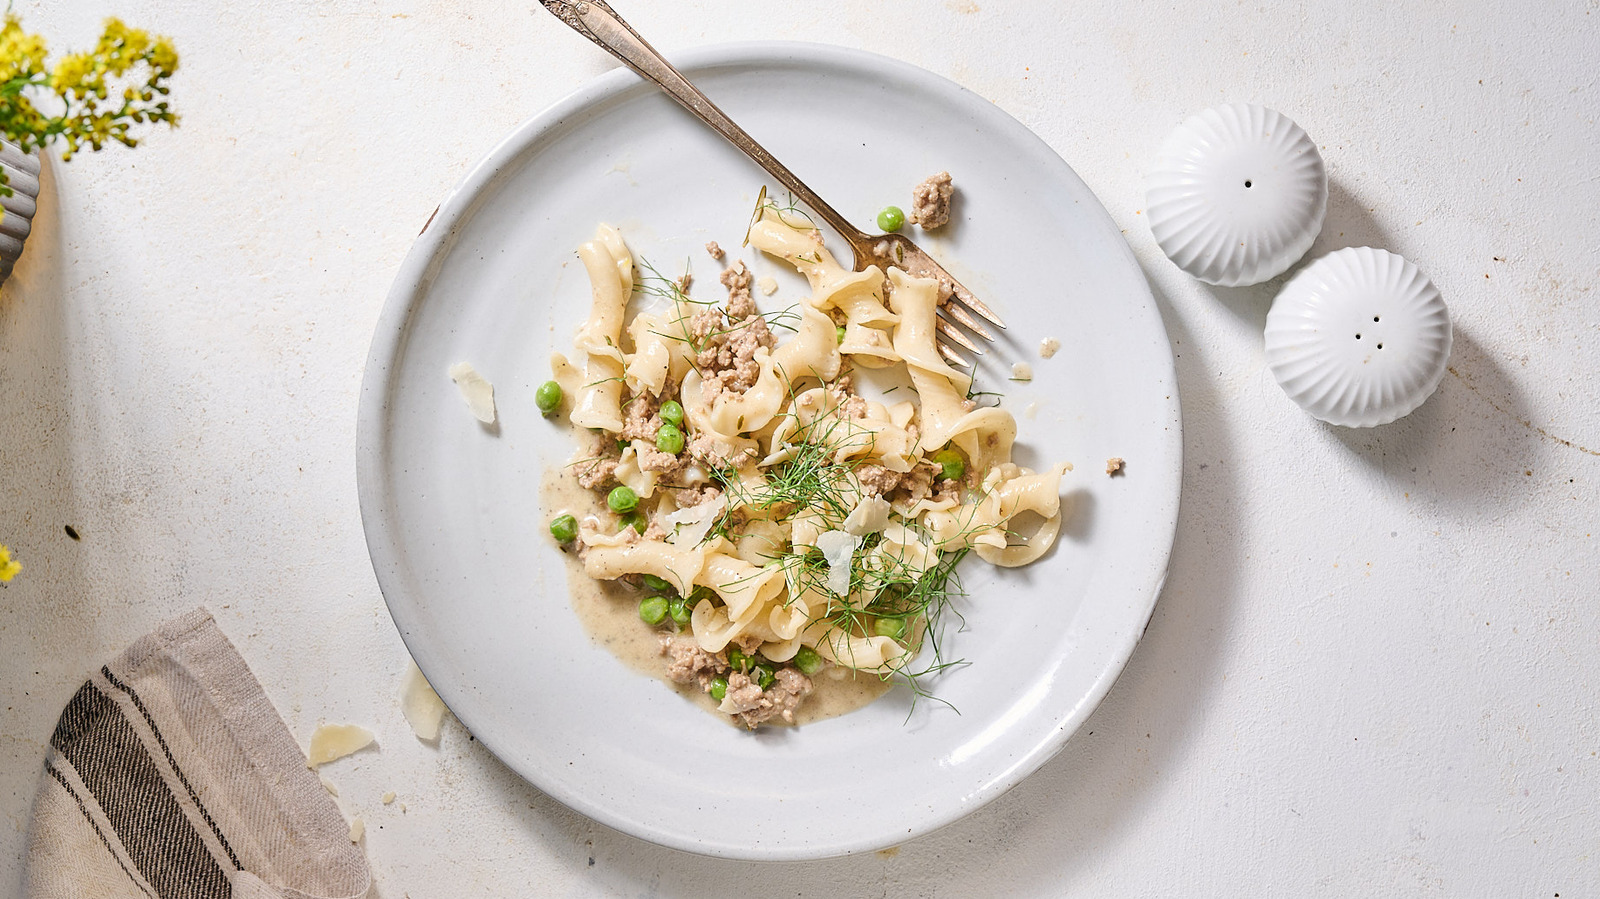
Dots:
(432, 246)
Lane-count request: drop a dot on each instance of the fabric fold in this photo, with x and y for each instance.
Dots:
(171, 776)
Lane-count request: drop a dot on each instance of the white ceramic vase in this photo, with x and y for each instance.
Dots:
(22, 172)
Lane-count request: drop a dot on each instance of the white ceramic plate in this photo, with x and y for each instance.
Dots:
(460, 544)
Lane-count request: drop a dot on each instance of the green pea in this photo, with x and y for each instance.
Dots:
(633, 520)
(839, 333)
(765, 677)
(951, 462)
(669, 440)
(680, 611)
(808, 661)
(671, 413)
(698, 594)
(563, 527)
(548, 396)
(653, 609)
(892, 628)
(737, 660)
(891, 218)
(659, 584)
(622, 499)
(719, 688)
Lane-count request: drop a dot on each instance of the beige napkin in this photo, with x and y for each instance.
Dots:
(171, 775)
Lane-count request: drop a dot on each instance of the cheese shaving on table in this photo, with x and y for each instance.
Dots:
(1022, 371)
(1048, 347)
(335, 741)
(476, 390)
(423, 708)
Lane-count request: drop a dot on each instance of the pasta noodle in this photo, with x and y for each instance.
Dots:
(786, 523)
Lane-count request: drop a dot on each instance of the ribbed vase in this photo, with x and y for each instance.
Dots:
(22, 172)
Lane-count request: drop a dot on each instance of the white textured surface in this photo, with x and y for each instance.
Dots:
(1375, 665)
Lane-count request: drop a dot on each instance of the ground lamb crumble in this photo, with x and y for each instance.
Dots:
(599, 468)
(687, 663)
(905, 488)
(930, 201)
(639, 418)
(714, 452)
(694, 496)
(728, 340)
(641, 421)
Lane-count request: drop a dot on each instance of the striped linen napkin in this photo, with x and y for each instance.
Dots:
(171, 776)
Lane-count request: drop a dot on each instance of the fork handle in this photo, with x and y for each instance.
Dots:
(595, 20)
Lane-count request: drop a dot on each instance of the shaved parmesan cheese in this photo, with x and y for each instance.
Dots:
(870, 517)
(769, 286)
(388, 797)
(838, 548)
(1048, 347)
(335, 741)
(423, 708)
(690, 526)
(476, 390)
(1022, 371)
(358, 829)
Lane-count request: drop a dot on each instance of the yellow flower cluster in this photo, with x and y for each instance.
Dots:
(102, 93)
(21, 54)
(9, 567)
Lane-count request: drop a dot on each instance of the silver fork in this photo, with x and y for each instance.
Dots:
(595, 20)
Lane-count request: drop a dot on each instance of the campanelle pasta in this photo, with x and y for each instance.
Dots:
(780, 524)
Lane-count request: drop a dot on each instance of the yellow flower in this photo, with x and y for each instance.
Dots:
(9, 567)
(164, 57)
(71, 72)
(94, 98)
(21, 54)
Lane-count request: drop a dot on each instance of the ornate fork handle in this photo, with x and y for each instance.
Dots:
(595, 20)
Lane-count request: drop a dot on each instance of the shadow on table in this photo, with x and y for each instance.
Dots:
(1053, 824)
(50, 602)
(1466, 447)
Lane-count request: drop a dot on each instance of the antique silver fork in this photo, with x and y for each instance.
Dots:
(595, 20)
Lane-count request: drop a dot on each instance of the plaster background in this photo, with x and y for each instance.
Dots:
(1375, 664)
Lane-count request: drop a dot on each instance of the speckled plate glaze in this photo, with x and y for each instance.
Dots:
(460, 545)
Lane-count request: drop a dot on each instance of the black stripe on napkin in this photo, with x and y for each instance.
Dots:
(195, 797)
(160, 839)
(62, 779)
